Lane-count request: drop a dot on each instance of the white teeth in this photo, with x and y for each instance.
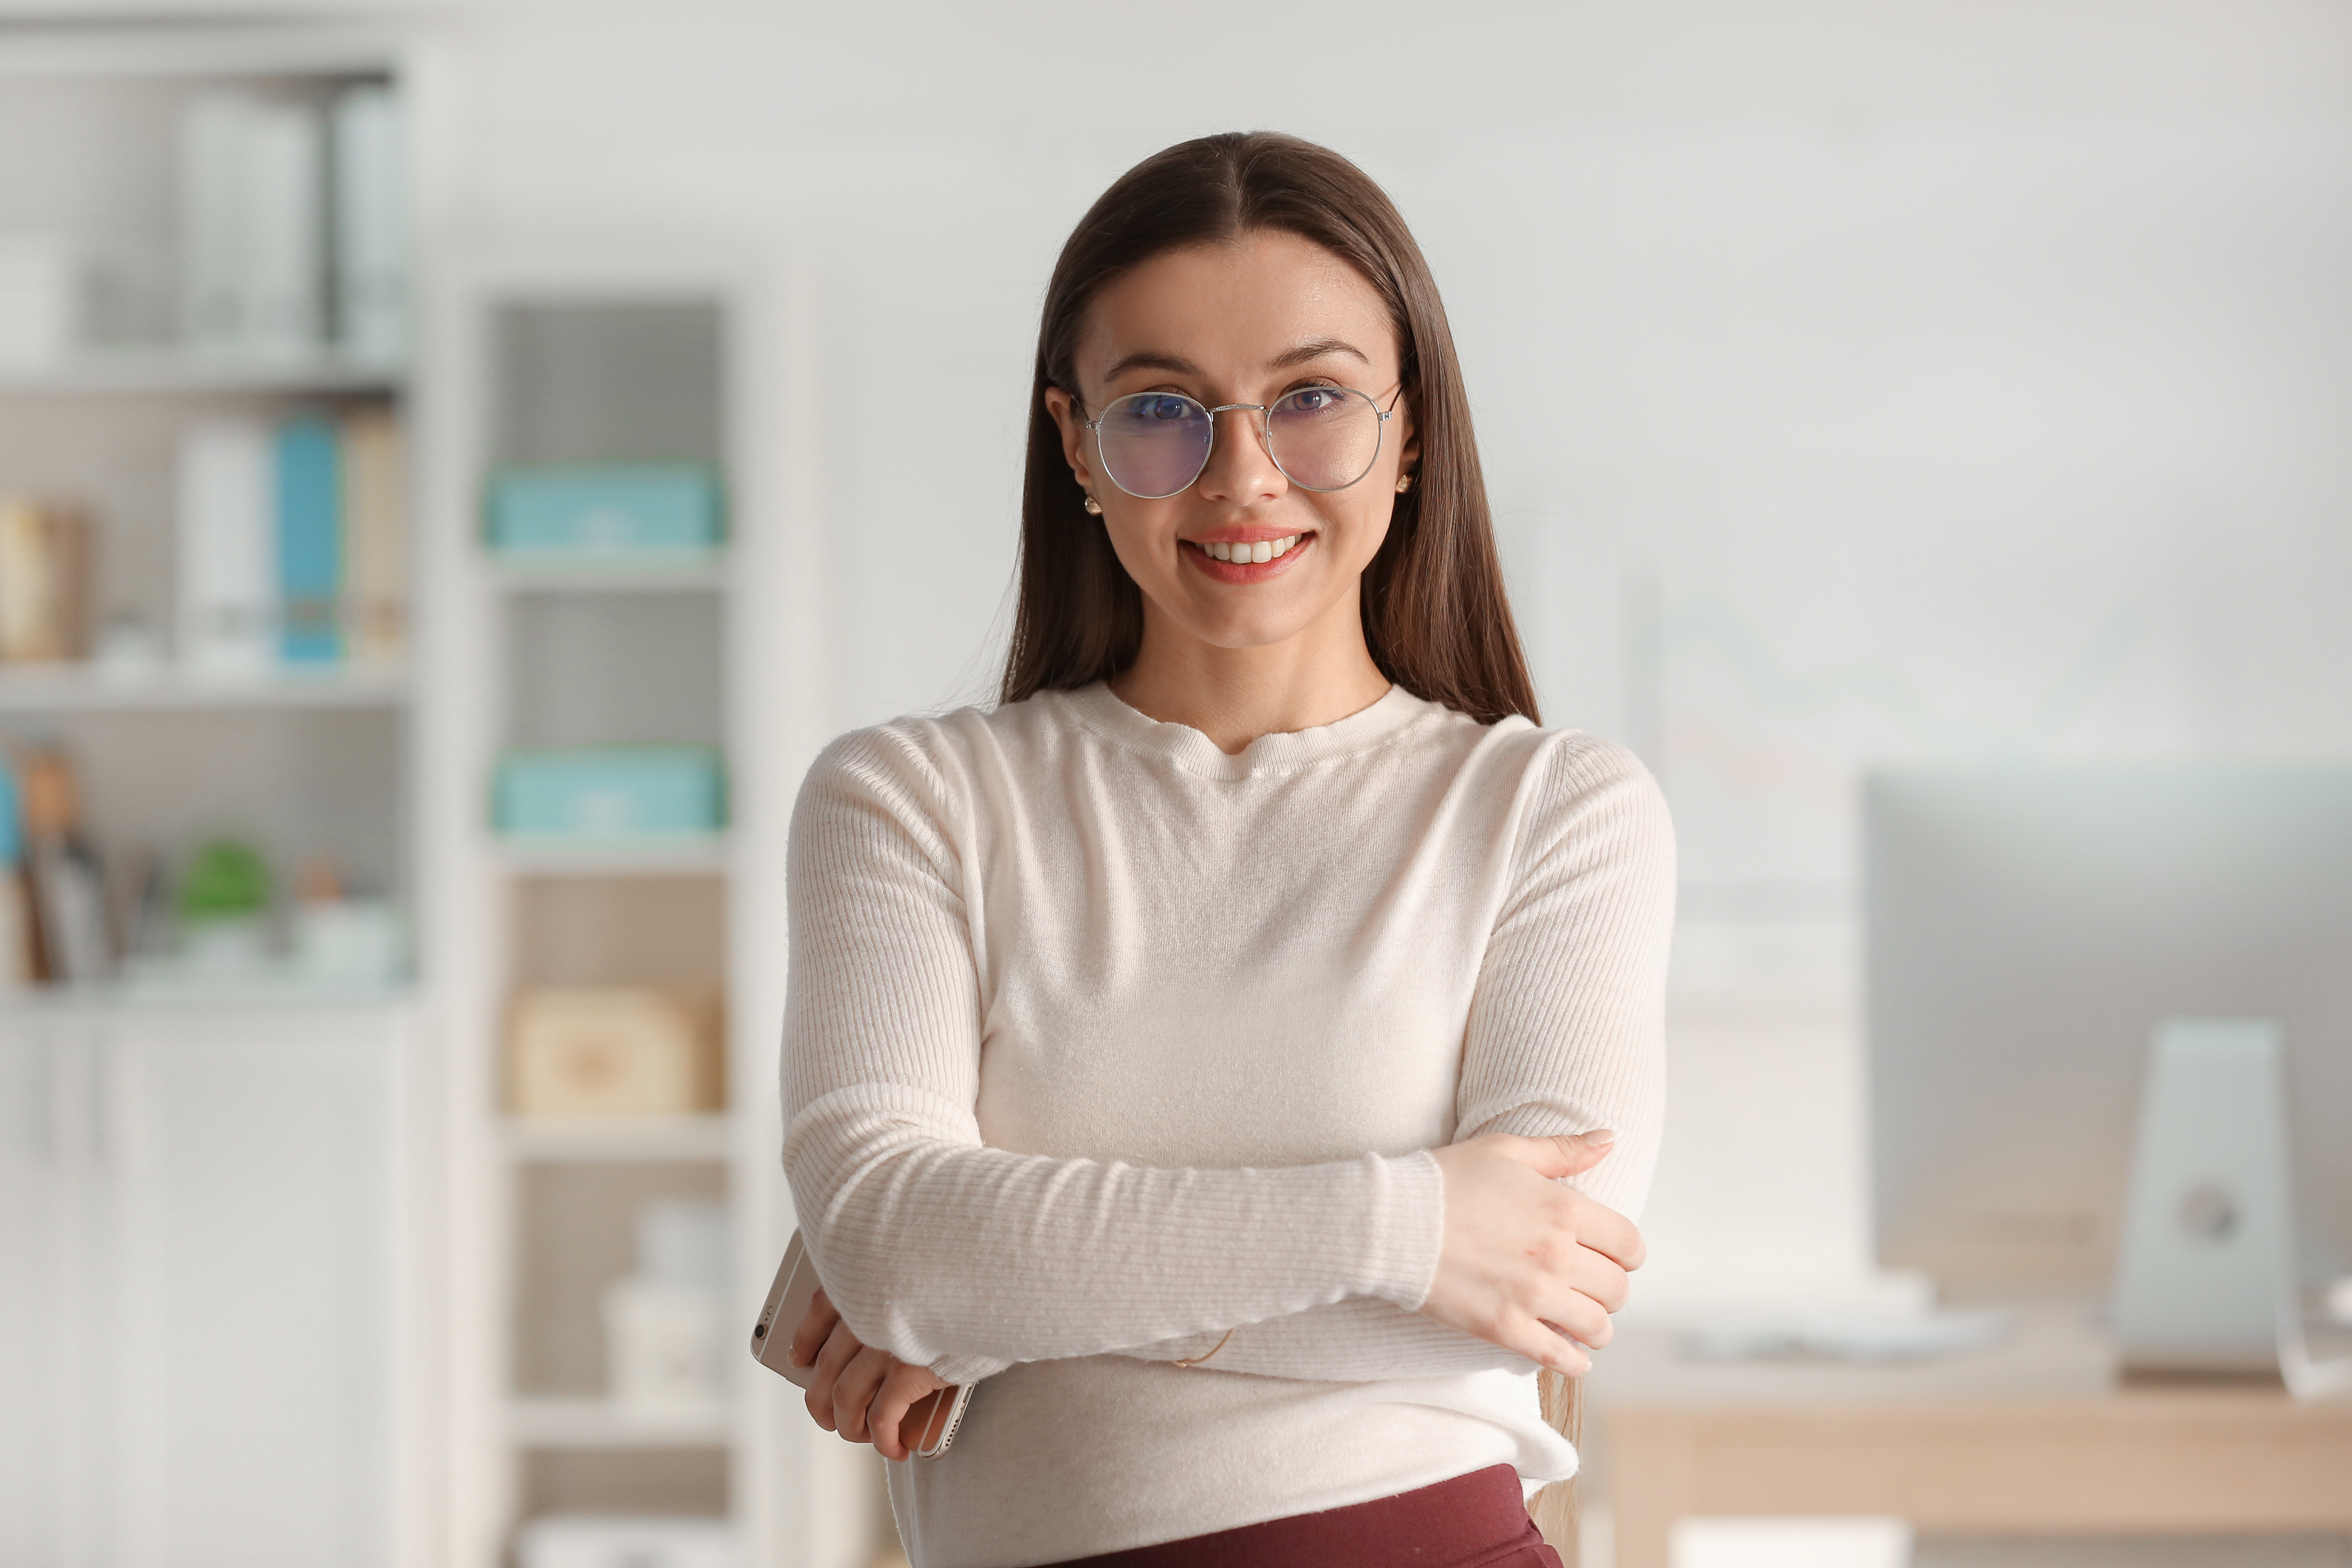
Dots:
(1262, 549)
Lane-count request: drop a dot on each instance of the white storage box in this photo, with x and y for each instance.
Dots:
(662, 1344)
(595, 1540)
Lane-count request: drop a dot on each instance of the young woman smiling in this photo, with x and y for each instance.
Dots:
(1191, 1046)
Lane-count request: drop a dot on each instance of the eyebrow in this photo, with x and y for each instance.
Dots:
(1152, 359)
(1177, 364)
(1316, 349)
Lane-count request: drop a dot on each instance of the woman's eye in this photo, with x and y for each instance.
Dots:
(1164, 407)
(1313, 399)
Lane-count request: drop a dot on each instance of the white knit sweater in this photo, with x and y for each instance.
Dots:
(1101, 1042)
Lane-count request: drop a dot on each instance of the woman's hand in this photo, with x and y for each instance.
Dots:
(865, 1394)
(1526, 1263)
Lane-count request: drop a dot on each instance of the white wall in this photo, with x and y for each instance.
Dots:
(1857, 381)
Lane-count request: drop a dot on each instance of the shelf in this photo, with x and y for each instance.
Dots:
(71, 688)
(167, 370)
(687, 855)
(261, 996)
(702, 571)
(600, 1424)
(106, 50)
(619, 1141)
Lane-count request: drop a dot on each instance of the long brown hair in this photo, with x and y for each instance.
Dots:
(1435, 616)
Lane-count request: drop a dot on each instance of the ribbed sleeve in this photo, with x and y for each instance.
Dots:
(1568, 1022)
(967, 1258)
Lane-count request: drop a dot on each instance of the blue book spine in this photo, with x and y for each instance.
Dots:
(310, 541)
(12, 824)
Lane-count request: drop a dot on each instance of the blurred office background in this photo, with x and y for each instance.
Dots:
(449, 488)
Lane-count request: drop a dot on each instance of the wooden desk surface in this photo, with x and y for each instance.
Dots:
(2034, 1438)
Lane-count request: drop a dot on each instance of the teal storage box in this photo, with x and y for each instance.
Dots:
(622, 509)
(614, 792)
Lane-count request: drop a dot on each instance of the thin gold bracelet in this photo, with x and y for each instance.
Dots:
(1195, 1361)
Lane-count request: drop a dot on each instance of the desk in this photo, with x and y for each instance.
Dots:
(2030, 1440)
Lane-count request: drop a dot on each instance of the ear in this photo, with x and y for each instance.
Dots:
(1408, 451)
(1065, 410)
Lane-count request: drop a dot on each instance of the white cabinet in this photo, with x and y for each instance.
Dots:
(198, 1263)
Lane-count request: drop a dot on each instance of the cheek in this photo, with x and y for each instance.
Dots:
(1365, 526)
(1144, 545)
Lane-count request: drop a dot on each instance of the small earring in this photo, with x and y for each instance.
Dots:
(1404, 483)
(1094, 507)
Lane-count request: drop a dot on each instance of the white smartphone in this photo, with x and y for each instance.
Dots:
(772, 1344)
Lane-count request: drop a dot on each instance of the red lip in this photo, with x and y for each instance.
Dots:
(1246, 533)
(1241, 572)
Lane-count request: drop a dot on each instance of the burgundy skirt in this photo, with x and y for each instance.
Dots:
(1477, 1520)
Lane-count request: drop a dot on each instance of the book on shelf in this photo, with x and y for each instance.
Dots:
(292, 544)
(253, 240)
(375, 537)
(292, 240)
(212, 222)
(20, 964)
(310, 541)
(73, 941)
(45, 582)
(371, 241)
(227, 498)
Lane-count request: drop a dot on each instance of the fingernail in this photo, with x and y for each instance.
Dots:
(1602, 1136)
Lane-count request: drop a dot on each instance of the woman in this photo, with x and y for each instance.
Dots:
(1190, 1047)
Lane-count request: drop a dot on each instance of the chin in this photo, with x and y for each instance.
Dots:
(1250, 631)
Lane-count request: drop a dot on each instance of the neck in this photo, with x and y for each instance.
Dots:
(1233, 695)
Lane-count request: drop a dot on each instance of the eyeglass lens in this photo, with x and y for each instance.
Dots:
(1154, 444)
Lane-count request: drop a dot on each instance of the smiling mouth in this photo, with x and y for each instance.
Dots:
(1245, 552)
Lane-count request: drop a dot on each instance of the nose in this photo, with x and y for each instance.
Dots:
(1240, 470)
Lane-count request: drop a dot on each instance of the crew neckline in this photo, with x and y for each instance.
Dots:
(1109, 715)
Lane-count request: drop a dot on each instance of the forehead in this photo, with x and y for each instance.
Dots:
(1234, 307)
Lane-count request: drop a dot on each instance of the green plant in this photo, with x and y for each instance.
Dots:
(226, 880)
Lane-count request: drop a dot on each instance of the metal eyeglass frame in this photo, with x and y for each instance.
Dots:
(1265, 436)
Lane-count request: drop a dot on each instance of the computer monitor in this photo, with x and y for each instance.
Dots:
(2026, 930)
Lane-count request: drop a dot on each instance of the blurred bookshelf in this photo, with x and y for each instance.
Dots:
(208, 1012)
(603, 827)
(605, 472)
(401, 796)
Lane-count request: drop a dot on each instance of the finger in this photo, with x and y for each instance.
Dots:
(1563, 1154)
(902, 1393)
(1600, 1278)
(919, 1424)
(1581, 1354)
(1607, 1233)
(809, 1337)
(854, 1393)
(1546, 1347)
(840, 1348)
(1582, 1319)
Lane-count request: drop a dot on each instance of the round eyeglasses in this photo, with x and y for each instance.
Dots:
(1153, 445)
